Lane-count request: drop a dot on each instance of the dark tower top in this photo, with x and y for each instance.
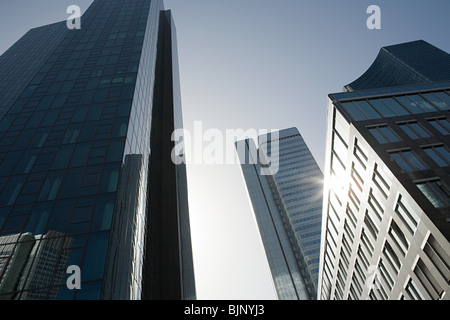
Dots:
(416, 62)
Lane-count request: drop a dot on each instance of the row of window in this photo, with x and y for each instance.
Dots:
(385, 134)
(408, 161)
(378, 108)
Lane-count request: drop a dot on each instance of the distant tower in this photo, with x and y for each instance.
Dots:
(287, 205)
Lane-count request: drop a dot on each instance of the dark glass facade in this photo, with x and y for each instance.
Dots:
(416, 62)
(168, 249)
(76, 157)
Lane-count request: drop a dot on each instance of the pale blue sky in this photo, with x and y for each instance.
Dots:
(258, 64)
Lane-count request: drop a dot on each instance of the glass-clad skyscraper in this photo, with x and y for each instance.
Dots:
(385, 231)
(285, 184)
(86, 177)
(405, 64)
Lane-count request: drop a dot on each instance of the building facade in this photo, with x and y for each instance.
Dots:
(285, 184)
(385, 229)
(81, 130)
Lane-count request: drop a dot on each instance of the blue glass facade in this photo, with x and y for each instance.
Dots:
(75, 146)
(416, 62)
(288, 209)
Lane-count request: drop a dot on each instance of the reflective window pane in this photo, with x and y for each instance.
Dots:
(442, 125)
(382, 108)
(436, 193)
(367, 109)
(424, 105)
(409, 105)
(353, 111)
(401, 162)
(387, 132)
(395, 106)
(436, 101)
(380, 138)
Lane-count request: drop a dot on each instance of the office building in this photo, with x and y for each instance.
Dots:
(285, 185)
(385, 230)
(86, 176)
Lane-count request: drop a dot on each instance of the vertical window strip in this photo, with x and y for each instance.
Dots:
(383, 184)
(413, 292)
(438, 256)
(427, 280)
(439, 154)
(436, 192)
(375, 205)
(442, 125)
(351, 215)
(399, 238)
(386, 275)
(371, 226)
(392, 258)
(406, 216)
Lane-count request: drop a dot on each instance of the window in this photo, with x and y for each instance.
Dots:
(348, 231)
(428, 280)
(395, 106)
(384, 134)
(371, 226)
(358, 181)
(375, 204)
(407, 161)
(354, 198)
(368, 110)
(382, 108)
(413, 292)
(385, 275)
(439, 154)
(441, 125)
(436, 192)
(408, 104)
(381, 181)
(414, 130)
(351, 216)
(353, 111)
(435, 100)
(360, 153)
(406, 215)
(443, 96)
(427, 107)
(362, 257)
(51, 187)
(399, 238)
(392, 258)
(366, 242)
(436, 253)
(339, 147)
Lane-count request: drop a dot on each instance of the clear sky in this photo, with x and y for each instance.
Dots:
(257, 64)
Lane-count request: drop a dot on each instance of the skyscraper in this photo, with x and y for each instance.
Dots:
(285, 185)
(385, 231)
(86, 176)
